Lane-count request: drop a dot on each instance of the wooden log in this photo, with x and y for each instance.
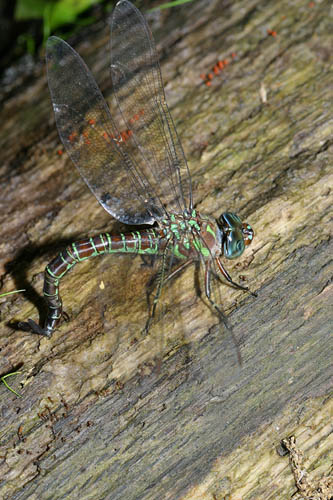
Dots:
(109, 414)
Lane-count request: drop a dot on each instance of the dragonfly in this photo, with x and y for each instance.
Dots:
(138, 172)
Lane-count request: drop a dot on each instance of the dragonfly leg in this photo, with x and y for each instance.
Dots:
(229, 279)
(208, 294)
(218, 310)
(160, 282)
(178, 269)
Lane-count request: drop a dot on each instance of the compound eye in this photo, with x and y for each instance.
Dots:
(230, 220)
(234, 244)
(240, 246)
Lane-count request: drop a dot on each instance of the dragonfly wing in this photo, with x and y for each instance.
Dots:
(93, 141)
(137, 83)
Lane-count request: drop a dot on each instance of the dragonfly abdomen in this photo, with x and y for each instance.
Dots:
(137, 242)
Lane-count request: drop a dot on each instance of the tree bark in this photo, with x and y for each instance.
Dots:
(108, 413)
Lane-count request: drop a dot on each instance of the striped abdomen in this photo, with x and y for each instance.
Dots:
(138, 242)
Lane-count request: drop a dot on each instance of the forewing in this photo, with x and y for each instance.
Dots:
(138, 87)
(92, 140)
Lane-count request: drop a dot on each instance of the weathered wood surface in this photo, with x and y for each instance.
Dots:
(108, 414)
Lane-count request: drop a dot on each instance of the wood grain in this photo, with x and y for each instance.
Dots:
(108, 414)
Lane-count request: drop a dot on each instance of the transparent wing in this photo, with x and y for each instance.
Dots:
(93, 141)
(137, 83)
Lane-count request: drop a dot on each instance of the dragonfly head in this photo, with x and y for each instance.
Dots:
(235, 235)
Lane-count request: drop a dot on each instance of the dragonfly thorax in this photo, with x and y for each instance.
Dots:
(193, 235)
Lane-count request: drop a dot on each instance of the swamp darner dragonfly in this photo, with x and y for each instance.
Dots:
(138, 175)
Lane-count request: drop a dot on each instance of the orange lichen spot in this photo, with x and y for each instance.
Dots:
(72, 136)
(311, 5)
(129, 132)
(60, 152)
(86, 140)
(92, 121)
(105, 135)
(271, 33)
(216, 69)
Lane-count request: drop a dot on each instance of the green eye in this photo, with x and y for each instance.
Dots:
(240, 246)
(233, 237)
(234, 244)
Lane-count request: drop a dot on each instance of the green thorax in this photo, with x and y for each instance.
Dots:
(192, 234)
